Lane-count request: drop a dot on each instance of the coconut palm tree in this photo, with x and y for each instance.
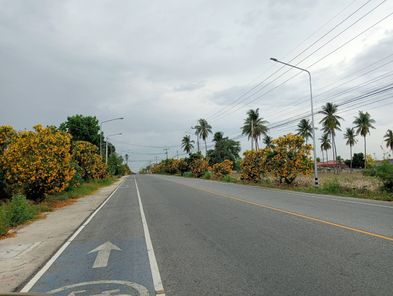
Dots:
(304, 129)
(267, 140)
(389, 139)
(254, 127)
(330, 123)
(363, 124)
(325, 144)
(204, 129)
(187, 144)
(350, 136)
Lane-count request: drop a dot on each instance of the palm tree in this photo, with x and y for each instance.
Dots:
(267, 140)
(363, 124)
(254, 127)
(304, 129)
(325, 144)
(204, 129)
(331, 123)
(389, 139)
(350, 136)
(187, 144)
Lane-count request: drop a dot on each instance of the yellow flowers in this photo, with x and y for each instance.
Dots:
(222, 169)
(89, 162)
(285, 160)
(199, 166)
(37, 162)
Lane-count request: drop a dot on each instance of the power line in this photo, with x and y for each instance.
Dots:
(239, 99)
(309, 66)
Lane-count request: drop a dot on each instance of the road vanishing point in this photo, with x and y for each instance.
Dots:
(165, 235)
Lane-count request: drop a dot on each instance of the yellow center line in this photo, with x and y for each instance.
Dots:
(388, 238)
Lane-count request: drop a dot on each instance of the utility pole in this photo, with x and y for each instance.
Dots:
(177, 154)
(156, 159)
(166, 152)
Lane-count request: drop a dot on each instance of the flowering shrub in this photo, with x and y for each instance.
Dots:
(86, 156)
(38, 162)
(7, 134)
(222, 169)
(199, 166)
(252, 166)
(288, 158)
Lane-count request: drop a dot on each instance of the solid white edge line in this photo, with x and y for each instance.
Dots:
(49, 263)
(159, 289)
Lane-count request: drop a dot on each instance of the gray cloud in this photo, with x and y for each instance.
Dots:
(160, 65)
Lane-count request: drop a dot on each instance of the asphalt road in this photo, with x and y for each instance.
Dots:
(213, 238)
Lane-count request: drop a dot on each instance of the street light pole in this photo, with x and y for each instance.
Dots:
(106, 145)
(101, 123)
(316, 182)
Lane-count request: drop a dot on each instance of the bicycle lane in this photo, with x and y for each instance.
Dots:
(107, 257)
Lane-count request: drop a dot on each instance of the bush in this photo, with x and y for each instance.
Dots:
(188, 174)
(252, 165)
(207, 175)
(38, 162)
(115, 165)
(89, 163)
(288, 158)
(18, 210)
(228, 178)
(385, 173)
(222, 169)
(199, 166)
(331, 186)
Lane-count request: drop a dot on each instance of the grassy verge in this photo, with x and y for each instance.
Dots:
(19, 210)
(344, 184)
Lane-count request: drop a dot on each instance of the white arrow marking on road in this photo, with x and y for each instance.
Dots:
(103, 251)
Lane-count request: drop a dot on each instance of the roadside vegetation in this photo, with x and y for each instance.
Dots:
(48, 167)
(286, 161)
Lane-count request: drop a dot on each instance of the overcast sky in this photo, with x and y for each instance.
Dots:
(164, 64)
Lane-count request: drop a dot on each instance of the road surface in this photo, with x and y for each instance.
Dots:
(181, 236)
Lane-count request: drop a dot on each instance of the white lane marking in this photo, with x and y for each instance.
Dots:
(159, 289)
(103, 252)
(139, 288)
(49, 263)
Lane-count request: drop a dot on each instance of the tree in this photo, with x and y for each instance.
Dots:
(325, 144)
(350, 136)
(82, 128)
(187, 144)
(89, 162)
(330, 123)
(254, 127)
(389, 139)
(38, 162)
(288, 158)
(358, 160)
(203, 129)
(224, 149)
(304, 129)
(267, 140)
(363, 124)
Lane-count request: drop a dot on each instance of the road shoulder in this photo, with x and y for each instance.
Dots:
(22, 255)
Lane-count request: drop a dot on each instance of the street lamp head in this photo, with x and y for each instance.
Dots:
(274, 59)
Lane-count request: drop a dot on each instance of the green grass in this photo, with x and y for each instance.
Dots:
(85, 188)
(19, 210)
